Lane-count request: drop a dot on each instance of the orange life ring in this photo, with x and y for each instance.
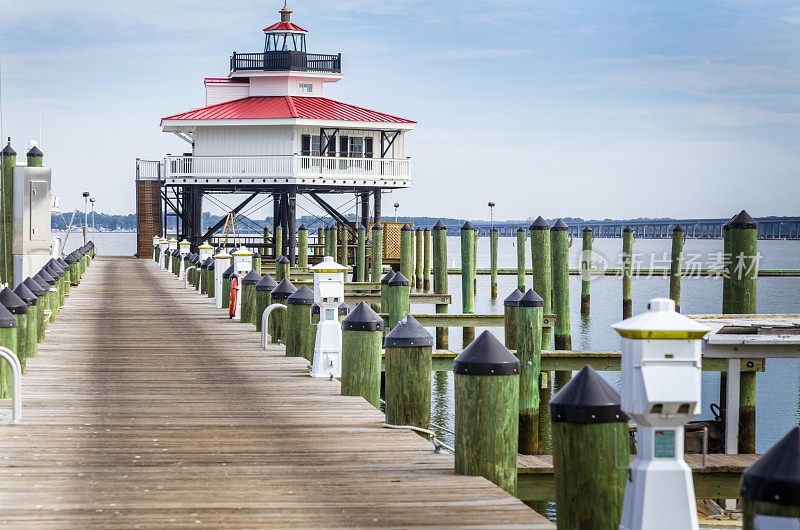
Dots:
(232, 299)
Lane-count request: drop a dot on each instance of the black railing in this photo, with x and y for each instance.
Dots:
(286, 60)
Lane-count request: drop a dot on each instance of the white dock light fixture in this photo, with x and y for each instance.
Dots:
(661, 363)
(163, 246)
(184, 247)
(222, 260)
(206, 251)
(328, 295)
(173, 245)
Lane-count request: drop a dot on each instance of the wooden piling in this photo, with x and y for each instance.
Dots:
(493, 243)
(769, 487)
(407, 252)
(343, 237)
(8, 161)
(510, 305)
(426, 260)
(627, 271)
(384, 282)
(743, 232)
(529, 353)
(302, 246)
(212, 284)
(376, 253)
(418, 257)
(362, 341)
(361, 254)
(282, 269)
(678, 238)
(726, 269)
(320, 251)
(278, 240)
(590, 488)
(521, 259)
(440, 279)
(263, 298)
(248, 293)
(278, 321)
(226, 286)
(468, 277)
(586, 269)
(560, 255)
(541, 267)
(41, 304)
(19, 309)
(408, 365)
(486, 379)
(397, 299)
(31, 325)
(299, 333)
(8, 339)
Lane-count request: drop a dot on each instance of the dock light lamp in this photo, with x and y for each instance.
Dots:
(206, 251)
(396, 206)
(85, 214)
(185, 248)
(222, 260)
(328, 296)
(661, 363)
(92, 203)
(173, 246)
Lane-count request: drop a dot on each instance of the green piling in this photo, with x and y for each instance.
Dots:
(408, 366)
(302, 246)
(407, 252)
(486, 379)
(678, 237)
(529, 353)
(493, 243)
(248, 291)
(743, 232)
(627, 271)
(362, 341)
(397, 299)
(299, 333)
(418, 257)
(8, 339)
(31, 325)
(226, 287)
(559, 243)
(587, 423)
(41, 303)
(8, 160)
(263, 298)
(282, 269)
(19, 309)
(278, 240)
(277, 324)
(376, 253)
(212, 284)
(426, 260)
(726, 268)
(361, 254)
(510, 305)
(440, 279)
(320, 251)
(586, 269)
(541, 266)
(468, 277)
(344, 238)
(521, 259)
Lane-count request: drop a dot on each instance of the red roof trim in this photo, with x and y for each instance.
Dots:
(285, 26)
(286, 107)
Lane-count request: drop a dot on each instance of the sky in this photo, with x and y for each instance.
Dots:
(585, 109)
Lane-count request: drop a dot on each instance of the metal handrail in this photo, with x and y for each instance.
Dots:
(186, 275)
(16, 383)
(265, 320)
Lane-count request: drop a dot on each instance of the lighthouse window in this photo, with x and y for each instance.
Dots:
(306, 87)
(356, 147)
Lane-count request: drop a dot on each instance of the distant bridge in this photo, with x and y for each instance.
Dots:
(768, 228)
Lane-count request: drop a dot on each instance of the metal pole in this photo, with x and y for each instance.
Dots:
(85, 214)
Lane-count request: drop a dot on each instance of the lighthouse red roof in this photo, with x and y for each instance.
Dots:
(285, 26)
(277, 107)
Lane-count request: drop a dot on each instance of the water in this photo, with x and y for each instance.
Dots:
(778, 387)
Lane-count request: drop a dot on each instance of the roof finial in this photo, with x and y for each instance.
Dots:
(285, 12)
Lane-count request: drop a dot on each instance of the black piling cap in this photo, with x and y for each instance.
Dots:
(678, 228)
(282, 260)
(512, 300)
(387, 277)
(43, 280)
(560, 225)
(419, 229)
(207, 262)
(486, 356)
(25, 294)
(46, 276)
(426, 229)
(398, 279)
(283, 290)
(56, 266)
(63, 263)
(362, 225)
(743, 220)
(775, 477)
(227, 273)
(467, 226)
(439, 226)
(303, 227)
(90, 245)
(251, 278)
(343, 309)
(627, 229)
(12, 302)
(72, 258)
(35, 151)
(587, 398)
(587, 229)
(377, 226)
(540, 224)
(8, 150)
(7, 320)
(362, 318)
(406, 228)
(212, 266)
(408, 333)
(34, 287)
(520, 229)
(302, 296)
(267, 283)
(530, 299)
(256, 255)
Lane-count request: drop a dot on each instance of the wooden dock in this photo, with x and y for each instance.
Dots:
(147, 407)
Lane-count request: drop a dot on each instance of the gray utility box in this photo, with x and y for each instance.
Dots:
(32, 201)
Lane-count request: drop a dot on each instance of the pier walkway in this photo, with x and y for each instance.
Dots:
(147, 407)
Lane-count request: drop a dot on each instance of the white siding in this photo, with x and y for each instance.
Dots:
(268, 86)
(317, 84)
(222, 92)
(251, 140)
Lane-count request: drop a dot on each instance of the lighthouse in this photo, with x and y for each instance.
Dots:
(268, 128)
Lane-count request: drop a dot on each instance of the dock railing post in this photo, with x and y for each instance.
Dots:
(408, 365)
(468, 236)
(299, 333)
(362, 342)
(529, 353)
(590, 453)
(586, 269)
(440, 279)
(486, 377)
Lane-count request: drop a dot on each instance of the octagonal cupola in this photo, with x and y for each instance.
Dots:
(285, 36)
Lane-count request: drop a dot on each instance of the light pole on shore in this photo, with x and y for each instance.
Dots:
(85, 214)
(396, 206)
